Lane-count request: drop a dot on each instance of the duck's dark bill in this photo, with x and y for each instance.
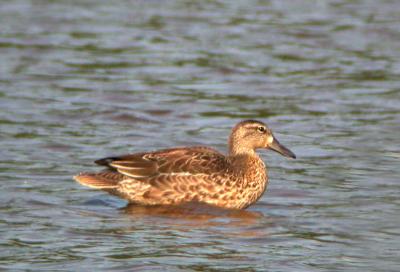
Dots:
(276, 146)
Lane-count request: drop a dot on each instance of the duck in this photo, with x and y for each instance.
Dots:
(199, 174)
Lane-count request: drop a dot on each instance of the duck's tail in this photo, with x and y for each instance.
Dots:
(106, 180)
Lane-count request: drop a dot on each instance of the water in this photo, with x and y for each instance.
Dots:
(80, 80)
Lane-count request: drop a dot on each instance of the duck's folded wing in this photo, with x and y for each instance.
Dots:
(193, 160)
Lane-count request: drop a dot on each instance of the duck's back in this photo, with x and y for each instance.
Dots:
(189, 160)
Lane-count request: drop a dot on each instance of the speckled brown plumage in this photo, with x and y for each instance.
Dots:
(187, 174)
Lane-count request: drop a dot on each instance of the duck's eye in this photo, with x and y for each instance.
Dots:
(261, 129)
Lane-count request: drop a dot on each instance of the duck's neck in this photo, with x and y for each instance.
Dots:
(247, 162)
(242, 152)
(236, 149)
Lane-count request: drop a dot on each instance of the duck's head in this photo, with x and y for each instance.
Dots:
(249, 135)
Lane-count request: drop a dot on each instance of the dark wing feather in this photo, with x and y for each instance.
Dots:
(193, 160)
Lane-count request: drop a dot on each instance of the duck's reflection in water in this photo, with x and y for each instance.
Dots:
(194, 213)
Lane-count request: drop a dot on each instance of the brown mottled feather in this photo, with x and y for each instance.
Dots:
(102, 180)
(193, 160)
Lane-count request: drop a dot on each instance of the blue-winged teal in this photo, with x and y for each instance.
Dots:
(192, 174)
